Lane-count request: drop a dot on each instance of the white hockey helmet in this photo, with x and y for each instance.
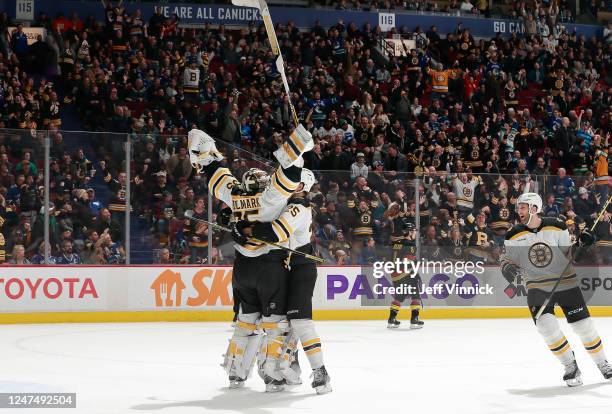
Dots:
(255, 180)
(308, 179)
(531, 199)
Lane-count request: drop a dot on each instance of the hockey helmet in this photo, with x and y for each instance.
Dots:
(308, 179)
(531, 199)
(255, 180)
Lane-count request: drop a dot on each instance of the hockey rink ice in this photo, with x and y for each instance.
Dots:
(450, 366)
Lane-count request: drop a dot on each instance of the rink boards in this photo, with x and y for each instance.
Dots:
(38, 294)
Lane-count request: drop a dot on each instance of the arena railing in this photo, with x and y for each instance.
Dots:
(117, 209)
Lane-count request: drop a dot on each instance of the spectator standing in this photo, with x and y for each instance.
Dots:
(359, 168)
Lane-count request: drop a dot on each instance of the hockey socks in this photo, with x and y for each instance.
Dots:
(311, 343)
(585, 329)
(548, 327)
(392, 322)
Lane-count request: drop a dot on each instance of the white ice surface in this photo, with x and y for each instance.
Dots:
(450, 366)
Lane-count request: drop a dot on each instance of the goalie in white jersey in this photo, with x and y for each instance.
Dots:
(539, 249)
(259, 275)
(294, 228)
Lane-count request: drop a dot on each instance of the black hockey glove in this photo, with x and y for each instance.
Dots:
(237, 231)
(586, 238)
(510, 272)
(225, 216)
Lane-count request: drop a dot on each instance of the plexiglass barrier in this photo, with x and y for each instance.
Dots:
(121, 199)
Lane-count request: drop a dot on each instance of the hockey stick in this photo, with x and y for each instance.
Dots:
(573, 256)
(215, 226)
(262, 6)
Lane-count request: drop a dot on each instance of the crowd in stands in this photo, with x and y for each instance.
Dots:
(478, 121)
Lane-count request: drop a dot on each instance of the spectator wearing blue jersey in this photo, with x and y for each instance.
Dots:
(19, 42)
(67, 257)
(563, 186)
(551, 208)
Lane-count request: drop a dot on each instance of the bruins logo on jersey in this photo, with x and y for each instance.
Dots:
(467, 191)
(540, 255)
(465, 46)
(559, 84)
(475, 154)
(365, 219)
(458, 251)
(436, 162)
(415, 61)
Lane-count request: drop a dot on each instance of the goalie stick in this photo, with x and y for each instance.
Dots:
(573, 256)
(262, 6)
(215, 226)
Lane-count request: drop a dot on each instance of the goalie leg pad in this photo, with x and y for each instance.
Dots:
(242, 350)
(305, 330)
(276, 328)
(289, 365)
(548, 327)
(585, 329)
(299, 142)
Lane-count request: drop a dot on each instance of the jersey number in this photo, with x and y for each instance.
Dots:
(246, 214)
(294, 211)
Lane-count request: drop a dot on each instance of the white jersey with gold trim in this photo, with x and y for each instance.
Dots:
(191, 80)
(294, 225)
(541, 253)
(465, 191)
(264, 207)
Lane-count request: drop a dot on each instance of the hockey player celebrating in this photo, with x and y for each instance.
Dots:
(405, 248)
(539, 248)
(294, 227)
(259, 273)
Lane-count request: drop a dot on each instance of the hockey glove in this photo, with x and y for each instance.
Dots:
(586, 238)
(202, 149)
(225, 216)
(237, 231)
(510, 272)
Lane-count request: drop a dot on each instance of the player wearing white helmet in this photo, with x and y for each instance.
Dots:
(538, 248)
(259, 275)
(294, 228)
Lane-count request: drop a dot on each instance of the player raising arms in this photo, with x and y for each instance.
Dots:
(294, 227)
(259, 273)
(539, 248)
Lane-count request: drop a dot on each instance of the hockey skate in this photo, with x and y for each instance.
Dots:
(393, 323)
(274, 385)
(572, 375)
(321, 381)
(606, 369)
(236, 382)
(416, 323)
